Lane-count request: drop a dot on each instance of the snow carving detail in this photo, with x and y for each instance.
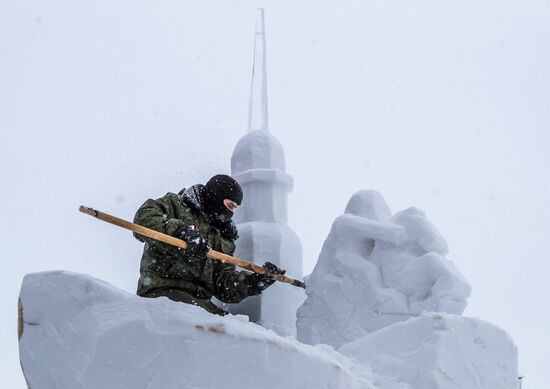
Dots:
(375, 270)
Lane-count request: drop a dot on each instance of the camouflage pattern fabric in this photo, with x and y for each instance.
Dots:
(167, 271)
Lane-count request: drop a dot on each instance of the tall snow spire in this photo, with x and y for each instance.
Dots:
(258, 164)
(257, 115)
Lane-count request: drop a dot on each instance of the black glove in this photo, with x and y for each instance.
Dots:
(257, 283)
(197, 246)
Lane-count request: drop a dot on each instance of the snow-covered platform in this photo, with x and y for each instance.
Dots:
(437, 350)
(80, 332)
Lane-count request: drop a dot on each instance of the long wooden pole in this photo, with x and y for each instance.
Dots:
(182, 244)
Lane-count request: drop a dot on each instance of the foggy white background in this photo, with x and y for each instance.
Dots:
(444, 105)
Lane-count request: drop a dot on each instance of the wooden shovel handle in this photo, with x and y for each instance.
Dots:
(182, 244)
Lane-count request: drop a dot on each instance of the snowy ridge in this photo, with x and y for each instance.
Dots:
(440, 351)
(103, 337)
(79, 332)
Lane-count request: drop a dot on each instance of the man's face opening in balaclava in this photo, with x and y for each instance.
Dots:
(231, 205)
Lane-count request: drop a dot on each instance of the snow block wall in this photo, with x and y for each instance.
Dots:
(439, 351)
(377, 269)
(79, 332)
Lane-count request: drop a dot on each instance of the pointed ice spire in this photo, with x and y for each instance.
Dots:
(257, 119)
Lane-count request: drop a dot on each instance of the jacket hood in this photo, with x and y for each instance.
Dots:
(192, 196)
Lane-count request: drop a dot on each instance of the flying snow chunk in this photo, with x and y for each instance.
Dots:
(79, 332)
(375, 270)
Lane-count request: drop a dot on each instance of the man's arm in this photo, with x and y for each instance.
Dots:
(229, 284)
(232, 286)
(154, 214)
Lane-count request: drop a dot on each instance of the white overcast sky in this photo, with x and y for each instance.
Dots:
(444, 105)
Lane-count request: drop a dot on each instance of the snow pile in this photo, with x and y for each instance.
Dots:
(79, 332)
(375, 270)
(439, 351)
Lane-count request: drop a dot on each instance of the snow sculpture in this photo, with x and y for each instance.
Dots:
(376, 269)
(79, 332)
(258, 164)
(440, 351)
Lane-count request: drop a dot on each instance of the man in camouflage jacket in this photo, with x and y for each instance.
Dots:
(200, 215)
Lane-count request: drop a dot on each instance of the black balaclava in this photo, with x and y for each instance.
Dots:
(217, 189)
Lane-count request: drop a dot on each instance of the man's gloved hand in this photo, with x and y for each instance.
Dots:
(257, 283)
(197, 246)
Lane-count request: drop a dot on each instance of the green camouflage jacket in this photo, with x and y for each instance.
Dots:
(166, 266)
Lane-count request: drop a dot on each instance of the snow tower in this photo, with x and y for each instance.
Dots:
(258, 164)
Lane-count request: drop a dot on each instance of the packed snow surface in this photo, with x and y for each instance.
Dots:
(440, 351)
(80, 332)
(376, 269)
